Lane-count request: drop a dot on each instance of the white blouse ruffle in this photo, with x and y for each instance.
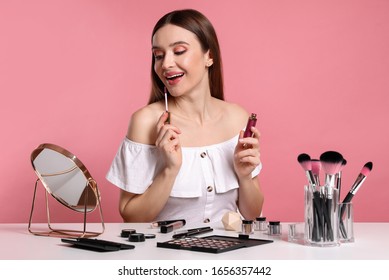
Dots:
(135, 166)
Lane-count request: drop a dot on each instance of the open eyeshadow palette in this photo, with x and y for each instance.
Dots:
(212, 244)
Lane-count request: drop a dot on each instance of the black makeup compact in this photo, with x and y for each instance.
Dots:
(127, 232)
(212, 244)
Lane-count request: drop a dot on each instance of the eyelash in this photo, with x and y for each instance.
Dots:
(159, 57)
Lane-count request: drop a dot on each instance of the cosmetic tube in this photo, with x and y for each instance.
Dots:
(252, 121)
(172, 226)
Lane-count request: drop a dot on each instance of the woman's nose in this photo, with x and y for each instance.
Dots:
(168, 61)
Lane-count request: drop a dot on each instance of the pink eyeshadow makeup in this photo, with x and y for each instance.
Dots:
(211, 244)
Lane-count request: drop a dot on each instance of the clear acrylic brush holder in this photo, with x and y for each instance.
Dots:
(321, 216)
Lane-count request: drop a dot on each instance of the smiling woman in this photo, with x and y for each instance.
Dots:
(199, 165)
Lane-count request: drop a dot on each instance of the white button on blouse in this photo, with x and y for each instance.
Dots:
(205, 187)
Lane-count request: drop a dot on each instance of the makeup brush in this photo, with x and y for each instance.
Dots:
(338, 178)
(331, 162)
(366, 169)
(306, 164)
(166, 106)
(316, 167)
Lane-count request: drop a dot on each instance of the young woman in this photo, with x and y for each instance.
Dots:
(193, 162)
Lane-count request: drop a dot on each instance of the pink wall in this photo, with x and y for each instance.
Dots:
(316, 72)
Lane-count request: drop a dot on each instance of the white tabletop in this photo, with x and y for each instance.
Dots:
(371, 243)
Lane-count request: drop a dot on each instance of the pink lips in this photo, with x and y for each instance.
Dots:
(173, 78)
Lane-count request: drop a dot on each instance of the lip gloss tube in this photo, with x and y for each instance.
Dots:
(252, 121)
(165, 222)
(172, 226)
(166, 107)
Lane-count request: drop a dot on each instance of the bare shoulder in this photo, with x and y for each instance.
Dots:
(143, 122)
(236, 115)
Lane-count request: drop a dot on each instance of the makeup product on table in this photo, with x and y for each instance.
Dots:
(260, 224)
(274, 228)
(136, 237)
(247, 227)
(252, 121)
(191, 232)
(98, 245)
(232, 221)
(212, 244)
(127, 232)
(172, 226)
(166, 222)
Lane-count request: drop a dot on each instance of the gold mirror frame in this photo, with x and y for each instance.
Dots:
(59, 179)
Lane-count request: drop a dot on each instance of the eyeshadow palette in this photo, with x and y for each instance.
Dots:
(211, 244)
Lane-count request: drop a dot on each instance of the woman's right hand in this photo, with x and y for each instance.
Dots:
(168, 141)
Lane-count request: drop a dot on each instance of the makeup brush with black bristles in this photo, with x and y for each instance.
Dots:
(331, 162)
(306, 163)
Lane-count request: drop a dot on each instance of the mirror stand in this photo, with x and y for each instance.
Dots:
(66, 233)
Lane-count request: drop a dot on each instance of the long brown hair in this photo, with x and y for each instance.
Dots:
(198, 24)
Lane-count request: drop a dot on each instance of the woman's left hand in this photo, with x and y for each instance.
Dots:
(246, 154)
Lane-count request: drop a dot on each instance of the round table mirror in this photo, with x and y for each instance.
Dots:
(65, 178)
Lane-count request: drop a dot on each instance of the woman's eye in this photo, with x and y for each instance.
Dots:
(179, 52)
(158, 57)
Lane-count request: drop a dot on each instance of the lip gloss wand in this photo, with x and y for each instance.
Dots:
(166, 106)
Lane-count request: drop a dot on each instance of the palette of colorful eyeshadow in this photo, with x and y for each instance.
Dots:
(211, 244)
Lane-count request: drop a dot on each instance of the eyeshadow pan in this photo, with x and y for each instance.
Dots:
(211, 244)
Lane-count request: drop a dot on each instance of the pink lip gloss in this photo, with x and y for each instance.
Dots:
(252, 121)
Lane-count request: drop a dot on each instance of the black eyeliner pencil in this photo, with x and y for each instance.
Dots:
(192, 232)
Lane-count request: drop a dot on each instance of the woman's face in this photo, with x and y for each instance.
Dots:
(180, 62)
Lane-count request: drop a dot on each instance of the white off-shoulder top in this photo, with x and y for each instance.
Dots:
(205, 188)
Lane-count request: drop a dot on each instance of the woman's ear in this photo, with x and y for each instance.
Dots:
(208, 59)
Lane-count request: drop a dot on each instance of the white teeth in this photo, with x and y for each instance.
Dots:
(175, 76)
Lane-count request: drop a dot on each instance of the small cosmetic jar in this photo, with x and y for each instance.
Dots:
(260, 224)
(127, 232)
(136, 237)
(274, 228)
(247, 227)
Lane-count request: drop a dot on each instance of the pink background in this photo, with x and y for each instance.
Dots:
(316, 72)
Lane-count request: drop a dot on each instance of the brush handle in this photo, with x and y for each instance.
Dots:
(348, 198)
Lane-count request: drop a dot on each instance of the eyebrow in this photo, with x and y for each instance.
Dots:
(172, 44)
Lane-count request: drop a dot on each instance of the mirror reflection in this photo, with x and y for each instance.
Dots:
(65, 178)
